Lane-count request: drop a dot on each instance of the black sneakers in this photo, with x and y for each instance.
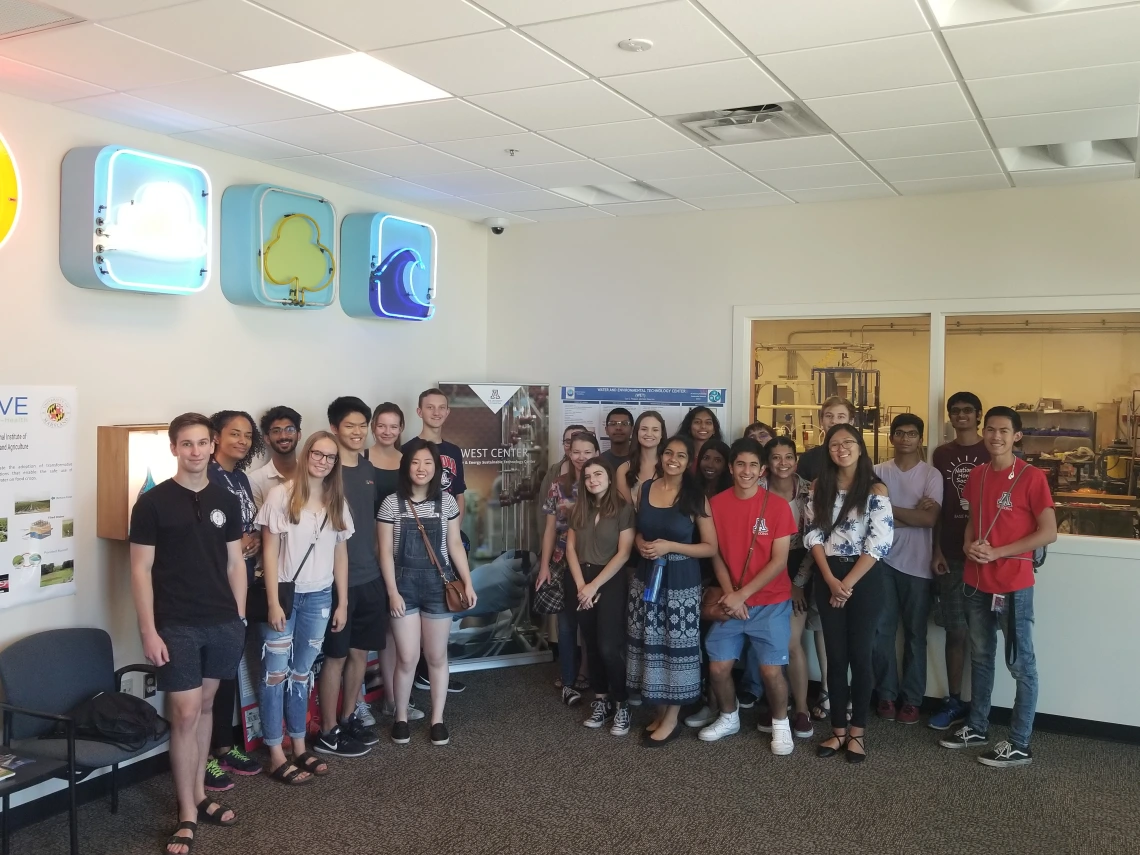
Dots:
(354, 728)
(964, 737)
(401, 735)
(422, 683)
(337, 742)
(439, 734)
(1005, 755)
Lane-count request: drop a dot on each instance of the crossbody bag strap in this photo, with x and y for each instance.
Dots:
(427, 541)
(309, 551)
(736, 586)
(1017, 478)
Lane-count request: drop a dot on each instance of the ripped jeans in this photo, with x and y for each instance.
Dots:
(288, 658)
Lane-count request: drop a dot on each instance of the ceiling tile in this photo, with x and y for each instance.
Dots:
(1050, 91)
(810, 177)
(951, 185)
(406, 160)
(959, 12)
(577, 174)
(1049, 43)
(893, 63)
(768, 26)
(938, 166)
(697, 88)
(642, 136)
(478, 182)
(564, 105)
(671, 164)
(39, 84)
(486, 62)
(782, 154)
(563, 214)
(680, 34)
(328, 168)
(496, 151)
(748, 200)
(128, 110)
(1075, 175)
(405, 191)
(468, 210)
(728, 184)
(386, 23)
(843, 194)
(526, 200)
(642, 209)
(894, 108)
(1104, 123)
(230, 100)
(328, 133)
(101, 56)
(924, 139)
(242, 143)
(436, 121)
(532, 11)
(230, 34)
(100, 10)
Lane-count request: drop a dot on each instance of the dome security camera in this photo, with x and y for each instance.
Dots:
(498, 225)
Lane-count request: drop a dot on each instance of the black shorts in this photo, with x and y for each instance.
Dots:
(200, 653)
(367, 625)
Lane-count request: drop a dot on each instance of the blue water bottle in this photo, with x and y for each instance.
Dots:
(653, 589)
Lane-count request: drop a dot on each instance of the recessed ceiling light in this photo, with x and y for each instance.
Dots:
(354, 81)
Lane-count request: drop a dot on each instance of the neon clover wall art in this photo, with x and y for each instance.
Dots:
(278, 247)
(388, 267)
(134, 221)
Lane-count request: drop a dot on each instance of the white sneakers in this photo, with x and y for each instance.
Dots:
(782, 743)
(726, 724)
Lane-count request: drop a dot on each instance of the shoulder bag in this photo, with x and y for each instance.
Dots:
(711, 607)
(453, 591)
(257, 600)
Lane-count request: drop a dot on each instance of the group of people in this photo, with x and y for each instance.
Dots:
(676, 560)
(354, 545)
(673, 560)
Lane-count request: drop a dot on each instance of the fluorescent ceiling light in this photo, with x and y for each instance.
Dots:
(354, 81)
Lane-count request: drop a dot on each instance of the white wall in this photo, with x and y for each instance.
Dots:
(142, 358)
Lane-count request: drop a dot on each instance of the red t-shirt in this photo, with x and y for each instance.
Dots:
(737, 522)
(1029, 497)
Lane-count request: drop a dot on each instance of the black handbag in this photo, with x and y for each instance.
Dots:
(257, 599)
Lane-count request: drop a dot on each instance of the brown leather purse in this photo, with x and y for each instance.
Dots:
(453, 591)
(711, 607)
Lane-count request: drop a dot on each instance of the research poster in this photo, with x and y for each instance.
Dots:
(588, 405)
(37, 489)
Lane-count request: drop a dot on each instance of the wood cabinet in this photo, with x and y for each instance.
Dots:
(131, 460)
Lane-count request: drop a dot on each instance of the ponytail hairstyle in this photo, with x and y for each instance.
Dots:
(724, 481)
(687, 423)
(588, 504)
(635, 458)
(567, 479)
(827, 485)
(221, 420)
(333, 498)
(691, 499)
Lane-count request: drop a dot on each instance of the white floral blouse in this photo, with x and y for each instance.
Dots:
(871, 532)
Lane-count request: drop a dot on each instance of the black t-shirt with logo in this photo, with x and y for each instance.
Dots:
(451, 457)
(189, 532)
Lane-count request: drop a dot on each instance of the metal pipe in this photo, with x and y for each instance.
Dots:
(956, 328)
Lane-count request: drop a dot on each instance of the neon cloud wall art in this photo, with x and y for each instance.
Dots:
(134, 221)
(388, 267)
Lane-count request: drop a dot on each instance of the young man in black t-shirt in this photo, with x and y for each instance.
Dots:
(188, 578)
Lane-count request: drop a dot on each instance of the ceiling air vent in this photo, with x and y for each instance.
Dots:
(749, 124)
(19, 17)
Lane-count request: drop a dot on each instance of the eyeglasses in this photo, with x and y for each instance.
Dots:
(962, 411)
(319, 456)
(279, 431)
(846, 445)
(622, 423)
(907, 434)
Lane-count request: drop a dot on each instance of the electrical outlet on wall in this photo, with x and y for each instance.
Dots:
(128, 685)
(150, 684)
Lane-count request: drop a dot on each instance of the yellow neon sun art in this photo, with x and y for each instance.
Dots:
(9, 192)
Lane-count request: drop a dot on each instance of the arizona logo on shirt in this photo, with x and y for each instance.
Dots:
(761, 526)
(449, 470)
(1005, 502)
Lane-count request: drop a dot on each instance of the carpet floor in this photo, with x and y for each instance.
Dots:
(522, 776)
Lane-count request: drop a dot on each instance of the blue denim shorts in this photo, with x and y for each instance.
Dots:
(422, 590)
(769, 631)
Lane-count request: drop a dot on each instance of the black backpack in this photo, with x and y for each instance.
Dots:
(116, 718)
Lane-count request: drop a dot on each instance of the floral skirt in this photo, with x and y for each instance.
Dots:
(664, 638)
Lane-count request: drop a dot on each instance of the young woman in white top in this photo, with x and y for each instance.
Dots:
(304, 525)
(850, 529)
(649, 433)
(420, 546)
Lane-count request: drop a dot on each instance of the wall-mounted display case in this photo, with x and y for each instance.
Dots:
(131, 459)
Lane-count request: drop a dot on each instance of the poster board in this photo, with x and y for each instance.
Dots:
(588, 405)
(38, 430)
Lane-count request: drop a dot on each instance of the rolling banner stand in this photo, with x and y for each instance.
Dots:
(38, 432)
(588, 405)
(502, 430)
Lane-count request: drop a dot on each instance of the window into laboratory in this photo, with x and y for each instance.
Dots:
(1075, 380)
(881, 365)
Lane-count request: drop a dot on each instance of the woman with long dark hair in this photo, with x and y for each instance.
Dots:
(700, 425)
(598, 545)
(418, 530)
(712, 468)
(648, 434)
(850, 529)
(305, 525)
(674, 531)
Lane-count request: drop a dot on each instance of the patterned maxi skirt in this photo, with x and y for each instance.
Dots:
(664, 638)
